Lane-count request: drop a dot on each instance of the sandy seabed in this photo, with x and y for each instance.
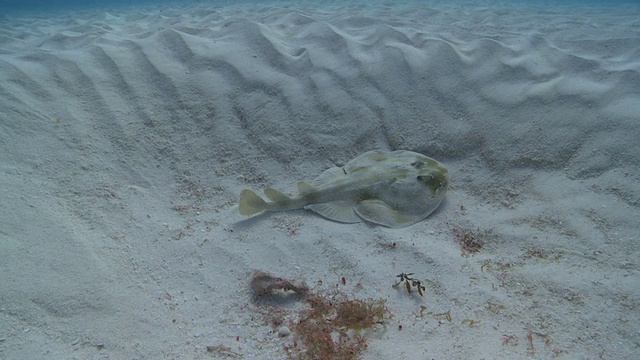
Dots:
(126, 136)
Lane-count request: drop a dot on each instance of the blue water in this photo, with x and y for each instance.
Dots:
(39, 6)
(9, 7)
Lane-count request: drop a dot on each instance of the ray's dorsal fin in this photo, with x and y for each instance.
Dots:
(304, 188)
(275, 195)
(251, 203)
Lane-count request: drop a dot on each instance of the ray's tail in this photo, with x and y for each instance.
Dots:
(251, 203)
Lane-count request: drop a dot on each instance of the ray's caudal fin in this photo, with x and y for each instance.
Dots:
(251, 203)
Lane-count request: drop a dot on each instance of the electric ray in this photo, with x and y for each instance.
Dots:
(394, 189)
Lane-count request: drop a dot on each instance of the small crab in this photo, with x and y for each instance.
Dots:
(410, 283)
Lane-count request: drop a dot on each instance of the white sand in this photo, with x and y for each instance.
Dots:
(127, 135)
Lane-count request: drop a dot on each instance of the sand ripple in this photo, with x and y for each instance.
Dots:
(297, 83)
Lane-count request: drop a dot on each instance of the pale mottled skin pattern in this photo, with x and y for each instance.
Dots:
(394, 189)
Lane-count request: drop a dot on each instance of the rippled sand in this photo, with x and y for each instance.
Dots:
(126, 136)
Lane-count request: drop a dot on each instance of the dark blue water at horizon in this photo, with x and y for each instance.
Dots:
(43, 6)
(10, 7)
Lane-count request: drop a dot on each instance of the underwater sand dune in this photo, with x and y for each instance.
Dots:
(127, 135)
